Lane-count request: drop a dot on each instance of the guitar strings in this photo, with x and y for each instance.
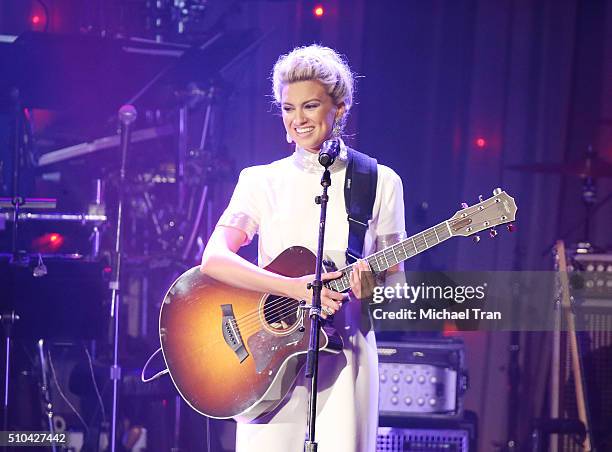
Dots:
(278, 306)
(253, 316)
(247, 319)
(280, 300)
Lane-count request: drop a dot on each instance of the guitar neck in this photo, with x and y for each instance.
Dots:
(394, 254)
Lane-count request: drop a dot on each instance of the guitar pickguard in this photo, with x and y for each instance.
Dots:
(264, 345)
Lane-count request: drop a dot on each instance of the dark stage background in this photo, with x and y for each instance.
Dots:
(531, 79)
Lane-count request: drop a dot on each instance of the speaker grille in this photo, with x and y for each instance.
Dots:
(420, 440)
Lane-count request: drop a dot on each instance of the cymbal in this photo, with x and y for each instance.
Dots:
(594, 167)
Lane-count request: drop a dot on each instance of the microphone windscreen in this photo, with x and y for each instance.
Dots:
(127, 114)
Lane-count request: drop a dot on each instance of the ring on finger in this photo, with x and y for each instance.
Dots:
(328, 311)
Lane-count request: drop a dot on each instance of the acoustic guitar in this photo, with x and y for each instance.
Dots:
(233, 352)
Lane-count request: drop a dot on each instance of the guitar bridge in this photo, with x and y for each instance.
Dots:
(231, 332)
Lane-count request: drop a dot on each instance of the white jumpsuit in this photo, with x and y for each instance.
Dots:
(276, 201)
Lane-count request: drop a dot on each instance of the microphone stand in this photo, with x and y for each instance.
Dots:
(312, 359)
(127, 115)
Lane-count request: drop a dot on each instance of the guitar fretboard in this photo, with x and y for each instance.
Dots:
(394, 254)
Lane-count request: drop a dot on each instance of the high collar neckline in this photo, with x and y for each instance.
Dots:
(309, 161)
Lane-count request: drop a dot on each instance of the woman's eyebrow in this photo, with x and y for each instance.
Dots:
(314, 99)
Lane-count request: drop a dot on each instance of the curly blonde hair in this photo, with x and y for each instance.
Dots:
(315, 62)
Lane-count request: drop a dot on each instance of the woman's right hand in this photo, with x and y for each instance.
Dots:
(331, 301)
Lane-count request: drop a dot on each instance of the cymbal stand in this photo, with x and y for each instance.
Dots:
(127, 115)
(205, 198)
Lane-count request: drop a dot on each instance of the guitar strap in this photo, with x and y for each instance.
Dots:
(359, 196)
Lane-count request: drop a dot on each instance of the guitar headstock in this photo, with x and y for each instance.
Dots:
(487, 214)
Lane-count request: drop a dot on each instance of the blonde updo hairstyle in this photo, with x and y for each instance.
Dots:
(315, 62)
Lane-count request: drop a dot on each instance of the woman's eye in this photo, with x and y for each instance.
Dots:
(311, 106)
(287, 109)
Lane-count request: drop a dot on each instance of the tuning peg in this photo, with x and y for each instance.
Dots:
(492, 233)
(476, 238)
(511, 227)
(464, 205)
(497, 191)
(480, 198)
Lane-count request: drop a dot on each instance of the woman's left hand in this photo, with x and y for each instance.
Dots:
(362, 280)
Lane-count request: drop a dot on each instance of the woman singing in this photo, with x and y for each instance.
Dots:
(313, 86)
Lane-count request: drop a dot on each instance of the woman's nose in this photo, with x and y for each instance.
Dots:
(299, 117)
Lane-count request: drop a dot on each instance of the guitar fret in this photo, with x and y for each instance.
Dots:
(378, 263)
(390, 256)
(419, 243)
(347, 279)
(442, 231)
(374, 265)
(433, 236)
(383, 255)
(387, 257)
(399, 256)
(412, 253)
(399, 252)
(448, 227)
(432, 232)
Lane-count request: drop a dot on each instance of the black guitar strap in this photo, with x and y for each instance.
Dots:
(359, 196)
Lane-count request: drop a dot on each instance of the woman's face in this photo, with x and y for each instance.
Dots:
(308, 113)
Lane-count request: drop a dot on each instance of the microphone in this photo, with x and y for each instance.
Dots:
(127, 115)
(329, 151)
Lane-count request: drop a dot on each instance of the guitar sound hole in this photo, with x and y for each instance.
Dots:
(280, 313)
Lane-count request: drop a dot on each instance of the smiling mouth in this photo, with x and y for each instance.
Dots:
(303, 130)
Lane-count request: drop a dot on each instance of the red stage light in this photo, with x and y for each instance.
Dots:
(481, 143)
(36, 19)
(50, 242)
(318, 11)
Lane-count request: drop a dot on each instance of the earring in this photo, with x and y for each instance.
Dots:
(289, 139)
(336, 129)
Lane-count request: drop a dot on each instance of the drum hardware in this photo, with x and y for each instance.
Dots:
(97, 207)
(108, 142)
